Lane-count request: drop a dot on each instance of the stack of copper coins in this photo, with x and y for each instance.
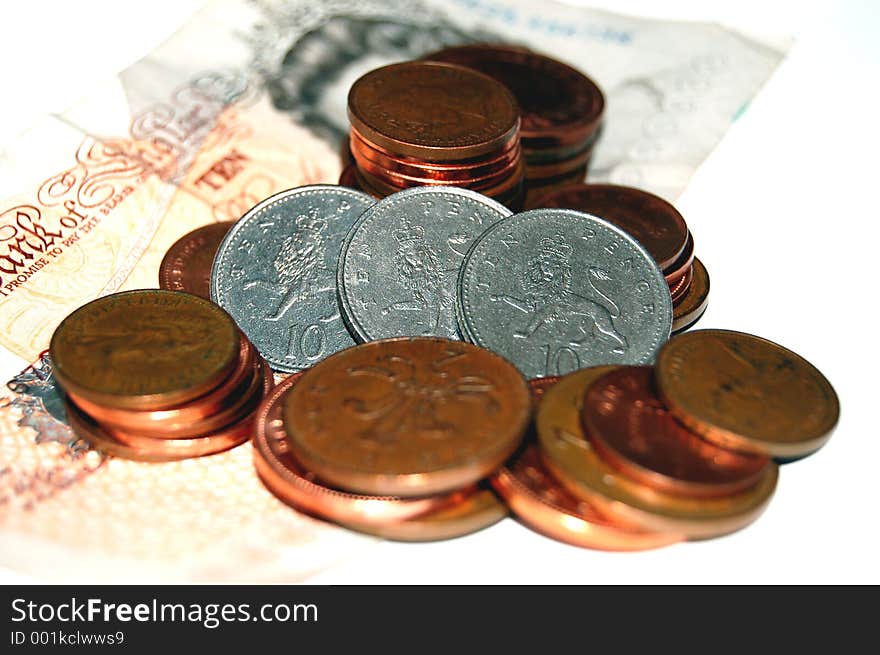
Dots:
(658, 226)
(156, 375)
(562, 109)
(429, 123)
(635, 457)
(394, 437)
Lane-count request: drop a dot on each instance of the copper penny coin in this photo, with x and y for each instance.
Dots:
(540, 501)
(632, 430)
(747, 393)
(568, 454)
(182, 420)
(144, 349)
(433, 111)
(547, 170)
(288, 479)
(136, 446)
(652, 221)
(407, 416)
(688, 309)
(559, 104)
(187, 264)
(467, 511)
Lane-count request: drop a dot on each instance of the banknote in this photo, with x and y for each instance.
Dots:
(247, 99)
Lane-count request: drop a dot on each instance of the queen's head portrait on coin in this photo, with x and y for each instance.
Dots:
(555, 290)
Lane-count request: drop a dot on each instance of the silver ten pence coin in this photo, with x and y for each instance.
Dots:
(555, 290)
(398, 269)
(275, 273)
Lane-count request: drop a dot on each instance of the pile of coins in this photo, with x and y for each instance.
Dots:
(561, 109)
(156, 375)
(658, 226)
(450, 359)
(428, 123)
(401, 438)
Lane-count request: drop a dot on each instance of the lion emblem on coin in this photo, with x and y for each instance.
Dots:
(299, 266)
(551, 303)
(420, 271)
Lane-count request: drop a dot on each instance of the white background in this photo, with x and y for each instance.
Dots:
(785, 218)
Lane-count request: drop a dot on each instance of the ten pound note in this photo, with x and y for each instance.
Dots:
(243, 101)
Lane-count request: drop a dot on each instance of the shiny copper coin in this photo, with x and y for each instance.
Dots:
(559, 104)
(468, 510)
(414, 177)
(537, 498)
(407, 416)
(652, 221)
(570, 457)
(144, 349)
(433, 111)
(187, 264)
(216, 441)
(688, 309)
(632, 430)
(294, 484)
(186, 420)
(375, 160)
(747, 393)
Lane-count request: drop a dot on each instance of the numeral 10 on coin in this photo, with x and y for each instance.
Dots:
(306, 344)
(560, 361)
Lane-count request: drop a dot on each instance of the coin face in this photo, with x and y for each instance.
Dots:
(397, 272)
(558, 103)
(555, 290)
(432, 110)
(746, 393)
(634, 431)
(652, 221)
(275, 273)
(144, 349)
(569, 455)
(187, 264)
(407, 417)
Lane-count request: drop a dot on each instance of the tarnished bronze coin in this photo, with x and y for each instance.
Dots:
(433, 111)
(407, 416)
(149, 449)
(559, 104)
(199, 416)
(652, 221)
(747, 393)
(570, 457)
(187, 264)
(633, 431)
(687, 309)
(288, 479)
(144, 349)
